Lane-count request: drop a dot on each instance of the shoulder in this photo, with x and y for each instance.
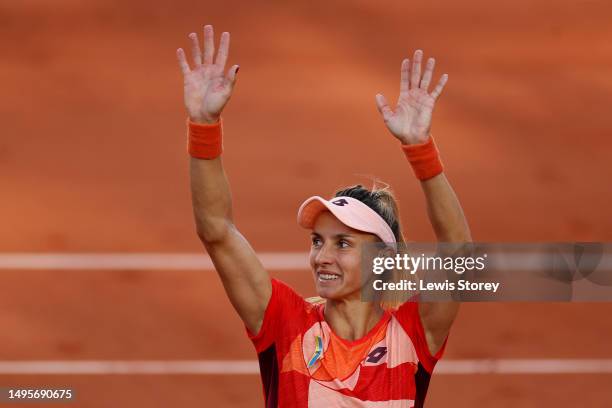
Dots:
(286, 314)
(283, 291)
(406, 312)
(286, 297)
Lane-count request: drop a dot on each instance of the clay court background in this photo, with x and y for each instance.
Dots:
(92, 160)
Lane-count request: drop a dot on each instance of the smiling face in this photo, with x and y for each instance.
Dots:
(335, 257)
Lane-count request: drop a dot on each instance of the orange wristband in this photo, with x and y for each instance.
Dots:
(424, 159)
(205, 141)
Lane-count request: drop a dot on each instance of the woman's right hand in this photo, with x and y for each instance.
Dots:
(207, 87)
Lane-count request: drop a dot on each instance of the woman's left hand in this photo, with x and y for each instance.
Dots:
(410, 121)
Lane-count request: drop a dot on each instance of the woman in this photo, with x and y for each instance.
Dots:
(341, 352)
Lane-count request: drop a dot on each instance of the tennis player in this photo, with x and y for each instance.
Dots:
(341, 352)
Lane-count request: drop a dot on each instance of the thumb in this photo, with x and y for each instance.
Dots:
(231, 74)
(383, 107)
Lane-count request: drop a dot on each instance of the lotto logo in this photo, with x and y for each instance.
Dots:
(376, 355)
(341, 202)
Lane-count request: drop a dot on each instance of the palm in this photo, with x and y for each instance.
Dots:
(410, 120)
(206, 91)
(412, 115)
(206, 88)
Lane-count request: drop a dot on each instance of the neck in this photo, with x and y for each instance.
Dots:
(352, 319)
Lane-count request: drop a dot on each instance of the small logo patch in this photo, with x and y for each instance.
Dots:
(341, 202)
(317, 353)
(376, 355)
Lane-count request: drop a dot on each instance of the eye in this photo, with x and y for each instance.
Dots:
(344, 243)
(316, 241)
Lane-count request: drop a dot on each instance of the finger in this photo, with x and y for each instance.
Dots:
(431, 63)
(209, 44)
(180, 54)
(231, 74)
(383, 107)
(223, 50)
(438, 90)
(416, 69)
(404, 85)
(195, 50)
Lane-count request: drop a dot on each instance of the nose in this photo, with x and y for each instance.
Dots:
(324, 255)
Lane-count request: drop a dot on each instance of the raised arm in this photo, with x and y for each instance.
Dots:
(207, 90)
(410, 123)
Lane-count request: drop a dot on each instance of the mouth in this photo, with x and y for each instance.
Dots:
(327, 276)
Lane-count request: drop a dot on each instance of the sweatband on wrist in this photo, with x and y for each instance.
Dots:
(424, 159)
(205, 141)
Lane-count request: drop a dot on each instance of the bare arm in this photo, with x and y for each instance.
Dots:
(410, 122)
(450, 225)
(207, 91)
(444, 210)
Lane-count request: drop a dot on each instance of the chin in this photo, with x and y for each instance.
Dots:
(334, 293)
(329, 291)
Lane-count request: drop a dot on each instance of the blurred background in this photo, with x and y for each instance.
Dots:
(93, 160)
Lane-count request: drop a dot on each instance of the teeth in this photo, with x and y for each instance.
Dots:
(327, 276)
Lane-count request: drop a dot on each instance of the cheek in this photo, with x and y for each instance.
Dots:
(351, 264)
(311, 258)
